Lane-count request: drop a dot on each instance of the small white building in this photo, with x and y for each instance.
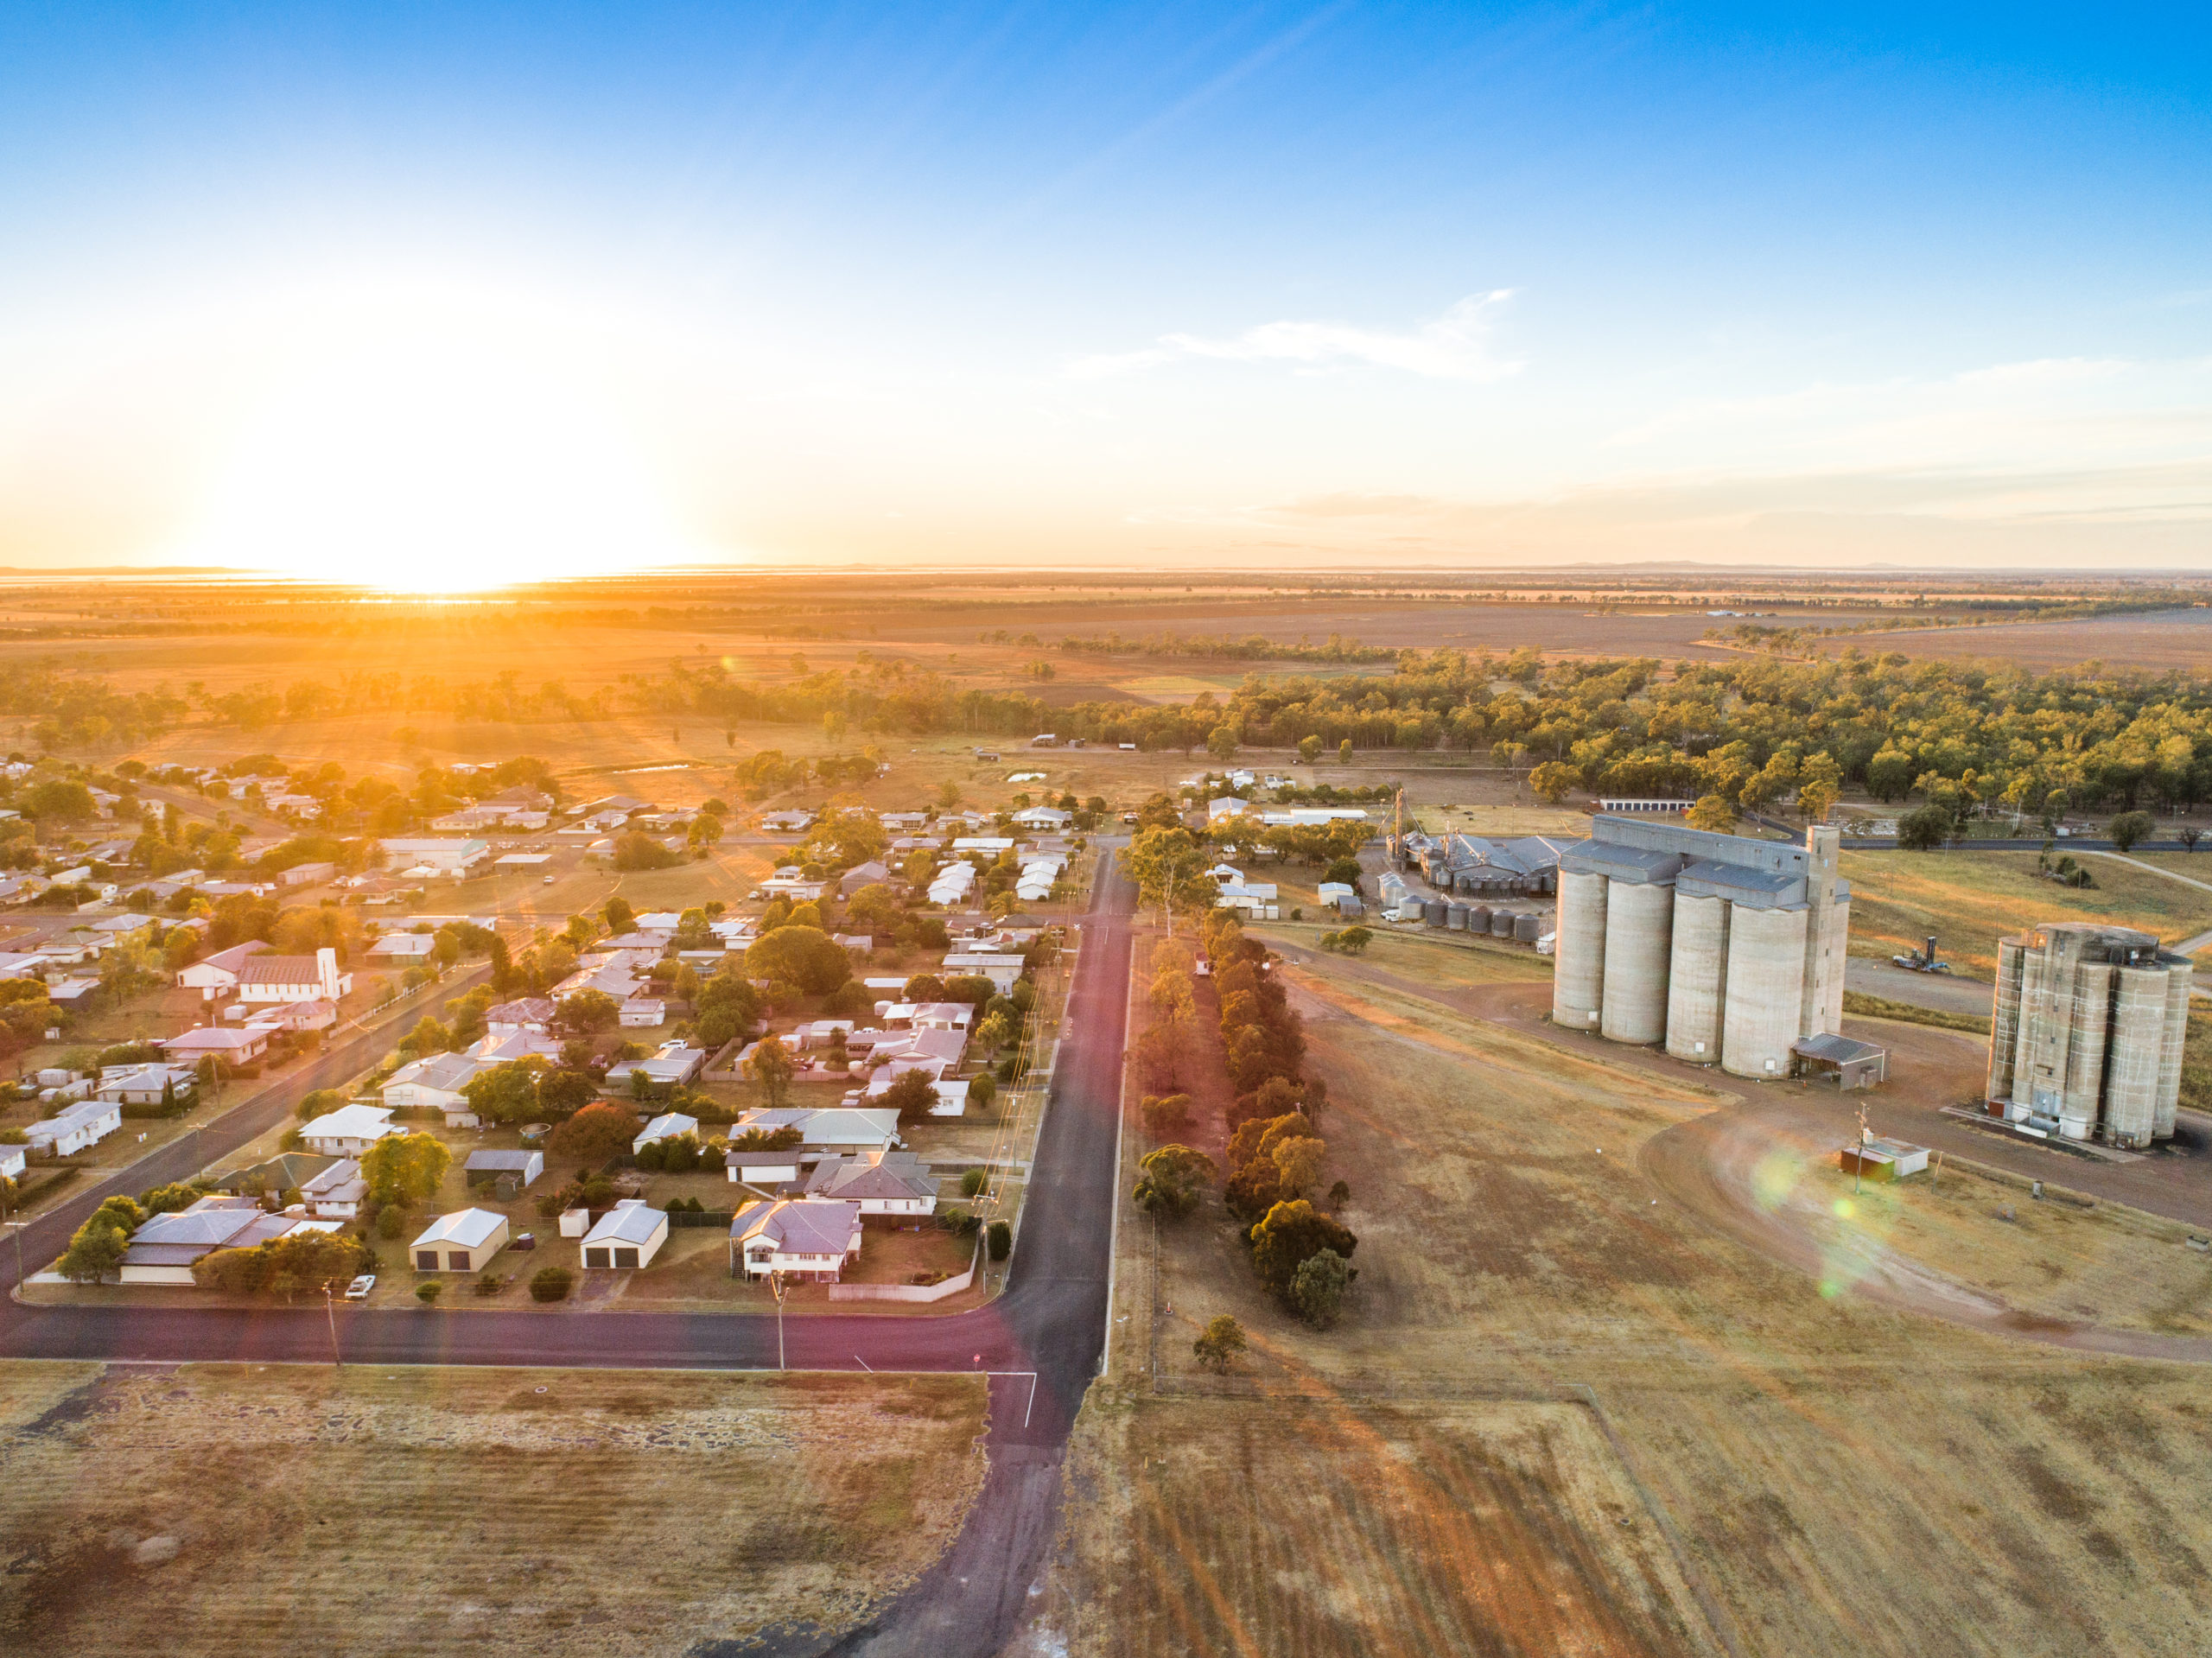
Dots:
(79, 1128)
(531, 1013)
(13, 1162)
(669, 1125)
(146, 1084)
(434, 1081)
(217, 976)
(644, 1013)
(404, 947)
(765, 1170)
(349, 1131)
(883, 1183)
(463, 1241)
(1001, 969)
(628, 1235)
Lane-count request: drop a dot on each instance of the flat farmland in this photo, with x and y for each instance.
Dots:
(227, 1510)
(1819, 1472)
(2151, 643)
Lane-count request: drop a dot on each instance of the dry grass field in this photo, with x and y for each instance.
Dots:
(227, 1510)
(1970, 900)
(2151, 643)
(1825, 1474)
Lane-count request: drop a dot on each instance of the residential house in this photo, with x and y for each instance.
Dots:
(486, 1168)
(217, 976)
(146, 1084)
(1001, 969)
(279, 979)
(307, 874)
(232, 1048)
(826, 1129)
(163, 1249)
(286, 1172)
(404, 948)
(871, 873)
(810, 1239)
(12, 1162)
(463, 1241)
(762, 1170)
(643, 1014)
(336, 1193)
(674, 1063)
(667, 1126)
(349, 1131)
(313, 1015)
(1224, 806)
(786, 822)
(450, 858)
(79, 1128)
(434, 1081)
(628, 1235)
(1050, 819)
(71, 992)
(512, 1045)
(532, 1013)
(881, 1182)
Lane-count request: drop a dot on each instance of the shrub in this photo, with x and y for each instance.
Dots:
(552, 1284)
(982, 1090)
(429, 1291)
(594, 1134)
(651, 1156)
(1173, 1176)
(1292, 1233)
(999, 1238)
(391, 1220)
(1219, 1343)
(973, 1182)
(1317, 1288)
(490, 1283)
(958, 1222)
(1165, 1114)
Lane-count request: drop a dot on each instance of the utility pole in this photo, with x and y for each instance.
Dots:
(330, 1312)
(776, 1288)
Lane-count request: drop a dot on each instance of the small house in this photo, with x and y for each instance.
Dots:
(336, 1193)
(807, 1238)
(349, 1131)
(485, 1168)
(80, 1127)
(644, 1013)
(243, 1047)
(1001, 969)
(883, 1183)
(146, 1084)
(628, 1235)
(463, 1241)
(764, 1170)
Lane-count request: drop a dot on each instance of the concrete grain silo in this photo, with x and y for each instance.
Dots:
(1728, 950)
(2086, 1039)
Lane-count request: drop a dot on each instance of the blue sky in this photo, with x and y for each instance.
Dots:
(1334, 284)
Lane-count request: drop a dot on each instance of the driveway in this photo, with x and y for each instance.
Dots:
(1943, 991)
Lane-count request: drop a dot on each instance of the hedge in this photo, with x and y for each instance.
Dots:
(703, 1217)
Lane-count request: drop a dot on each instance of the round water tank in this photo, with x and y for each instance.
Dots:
(1526, 927)
(1455, 917)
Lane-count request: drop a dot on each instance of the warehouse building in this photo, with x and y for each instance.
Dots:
(1729, 951)
(2087, 1035)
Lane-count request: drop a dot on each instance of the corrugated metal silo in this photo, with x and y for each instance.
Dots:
(1455, 917)
(1766, 975)
(1697, 978)
(1432, 912)
(1526, 927)
(1478, 917)
(1501, 924)
(1639, 932)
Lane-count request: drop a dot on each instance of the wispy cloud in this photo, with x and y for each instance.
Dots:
(1453, 346)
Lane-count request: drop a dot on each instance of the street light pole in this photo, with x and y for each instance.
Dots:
(330, 1312)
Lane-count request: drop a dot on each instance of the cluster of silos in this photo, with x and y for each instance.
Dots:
(1399, 903)
(2087, 1032)
(1727, 950)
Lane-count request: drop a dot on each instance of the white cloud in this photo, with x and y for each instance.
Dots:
(1453, 346)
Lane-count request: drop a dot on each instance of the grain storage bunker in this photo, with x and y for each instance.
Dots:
(1726, 948)
(2087, 1037)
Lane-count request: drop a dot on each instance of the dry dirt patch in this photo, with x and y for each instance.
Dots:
(228, 1509)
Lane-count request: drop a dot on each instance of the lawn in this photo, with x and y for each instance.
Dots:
(233, 1510)
(1835, 1477)
(1970, 900)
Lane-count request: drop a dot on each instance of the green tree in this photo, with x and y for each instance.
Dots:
(1553, 782)
(1343, 751)
(805, 957)
(620, 917)
(587, 1011)
(1309, 748)
(507, 1093)
(2130, 828)
(593, 1136)
(97, 1249)
(1172, 1181)
(1168, 866)
(1291, 1232)
(1924, 829)
(1342, 870)
(999, 1239)
(552, 1284)
(1354, 941)
(169, 1199)
(771, 1066)
(1165, 1114)
(1317, 1288)
(1714, 813)
(635, 851)
(320, 1103)
(405, 1167)
(1219, 1343)
(911, 1095)
(982, 1091)
(1221, 742)
(1300, 1163)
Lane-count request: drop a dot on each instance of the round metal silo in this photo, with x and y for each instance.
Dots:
(2139, 1022)
(1639, 932)
(2176, 1030)
(1455, 917)
(1478, 917)
(1579, 962)
(1766, 978)
(1501, 924)
(1697, 978)
(1433, 911)
(1526, 927)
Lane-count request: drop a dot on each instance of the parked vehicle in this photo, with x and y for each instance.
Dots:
(359, 1288)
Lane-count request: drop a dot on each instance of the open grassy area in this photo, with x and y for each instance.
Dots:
(1970, 900)
(1832, 1476)
(235, 1510)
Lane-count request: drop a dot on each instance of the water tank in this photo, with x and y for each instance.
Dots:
(1478, 917)
(1766, 978)
(2139, 1022)
(1501, 924)
(1526, 927)
(1455, 917)
(1697, 978)
(2005, 1017)
(2176, 1030)
(1579, 974)
(2088, 1012)
(1639, 931)
(1433, 911)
